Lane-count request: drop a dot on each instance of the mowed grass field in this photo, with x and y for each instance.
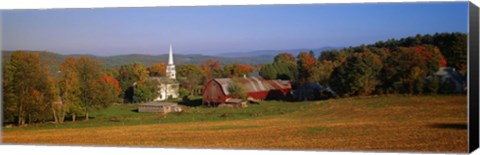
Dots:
(383, 123)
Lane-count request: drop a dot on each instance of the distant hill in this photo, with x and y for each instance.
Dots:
(180, 59)
(273, 53)
(53, 60)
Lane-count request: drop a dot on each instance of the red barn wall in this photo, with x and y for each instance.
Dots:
(213, 93)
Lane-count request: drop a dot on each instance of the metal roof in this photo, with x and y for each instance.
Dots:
(449, 72)
(253, 84)
(156, 103)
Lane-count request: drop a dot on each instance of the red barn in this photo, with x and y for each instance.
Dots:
(216, 90)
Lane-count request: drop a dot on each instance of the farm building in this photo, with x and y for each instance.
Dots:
(159, 107)
(312, 91)
(216, 90)
(449, 76)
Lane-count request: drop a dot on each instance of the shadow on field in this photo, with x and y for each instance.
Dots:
(456, 126)
(135, 110)
(192, 102)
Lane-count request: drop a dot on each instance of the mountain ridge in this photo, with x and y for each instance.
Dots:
(273, 53)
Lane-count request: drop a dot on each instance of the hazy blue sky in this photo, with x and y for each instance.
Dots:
(220, 29)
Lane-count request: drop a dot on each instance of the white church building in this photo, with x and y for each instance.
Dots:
(168, 85)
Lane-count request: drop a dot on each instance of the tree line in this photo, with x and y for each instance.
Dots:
(403, 66)
(32, 95)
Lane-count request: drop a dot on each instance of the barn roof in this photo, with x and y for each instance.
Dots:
(254, 84)
(450, 72)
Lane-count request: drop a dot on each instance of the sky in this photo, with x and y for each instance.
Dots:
(211, 30)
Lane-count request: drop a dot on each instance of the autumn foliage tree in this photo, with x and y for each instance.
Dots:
(236, 70)
(452, 45)
(112, 81)
(211, 69)
(305, 64)
(95, 93)
(321, 72)
(69, 85)
(128, 75)
(413, 65)
(243, 70)
(157, 69)
(285, 58)
(28, 89)
(190, 76)
(113, 86)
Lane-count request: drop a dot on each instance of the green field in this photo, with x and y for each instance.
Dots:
(395, 123)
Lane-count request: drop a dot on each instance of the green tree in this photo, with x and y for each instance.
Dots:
(211, 69)
(69, 85)
(237, 90)
(267, 72)
(305, 64)
(333, 55)
(10, 103)
(111, 87)
(279, 70)
(454, 47)
(411, 69)
(158, 69)
(190, 76)
(387, 73)
(145, 91)
(285, 58)
(236, 70)
(128, 75)
(321, 72)
(94, 92)
(358, 75)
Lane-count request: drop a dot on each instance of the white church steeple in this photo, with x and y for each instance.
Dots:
(171, 67)
(170, 56)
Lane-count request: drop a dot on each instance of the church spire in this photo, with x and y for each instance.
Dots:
(170, 66)
(170, 56)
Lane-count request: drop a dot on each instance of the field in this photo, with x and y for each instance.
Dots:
(382, 123)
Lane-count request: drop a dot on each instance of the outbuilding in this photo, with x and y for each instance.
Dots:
(312, 91)
(159, 107)
(451, 80)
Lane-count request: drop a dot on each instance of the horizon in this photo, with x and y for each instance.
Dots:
(215, 30)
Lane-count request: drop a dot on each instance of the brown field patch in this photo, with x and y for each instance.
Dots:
(404, 124)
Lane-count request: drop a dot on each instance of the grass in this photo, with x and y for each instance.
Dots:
(126, 114)
(385, 123)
